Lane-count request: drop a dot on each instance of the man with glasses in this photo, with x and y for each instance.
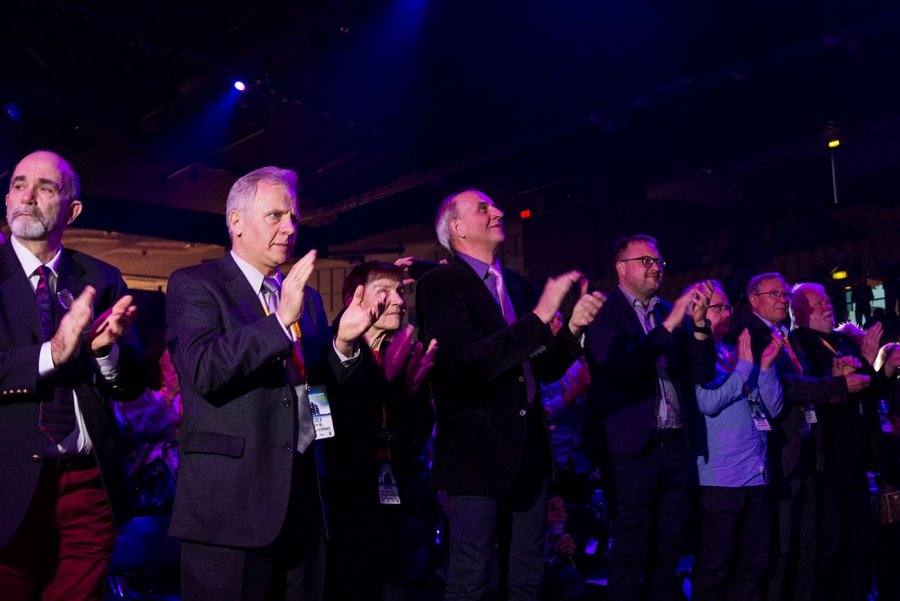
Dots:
(738, 406)
(792, 448)
(642, 393)
(63, 482)
(847, 431)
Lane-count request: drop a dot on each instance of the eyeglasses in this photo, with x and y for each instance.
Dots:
(776, 294)
(647, 262)
(721, 308)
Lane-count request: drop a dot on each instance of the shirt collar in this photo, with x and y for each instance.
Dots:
(480, 267)
(253, 275)
(773, 326)
(29, 262)
(636, 303)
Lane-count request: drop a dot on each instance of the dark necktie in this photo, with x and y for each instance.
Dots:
(57, 414)
(296, 374)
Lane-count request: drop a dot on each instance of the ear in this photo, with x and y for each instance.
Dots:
(235, 223)
(456, 227)
(620, 268)
(754, 301)
(75, 208)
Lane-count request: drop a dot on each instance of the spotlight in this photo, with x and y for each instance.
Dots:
(12, 111)
(834, 143)
(239, 85)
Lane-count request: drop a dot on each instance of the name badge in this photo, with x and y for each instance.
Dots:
(321, 412)
(810, 414)
(388, 493)
(759, 418)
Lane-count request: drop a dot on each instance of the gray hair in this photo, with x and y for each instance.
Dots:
(757, 280)
(800, 307)
(244, 190)
(446, 213)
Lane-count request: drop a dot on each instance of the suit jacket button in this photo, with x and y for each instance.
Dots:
(285, 446)
(522, 412)
(36, 458)
(286, 402)
(521, 378)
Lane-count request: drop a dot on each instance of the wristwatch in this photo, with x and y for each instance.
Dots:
(706, 328)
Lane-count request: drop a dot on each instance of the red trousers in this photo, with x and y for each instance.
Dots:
(63, 547)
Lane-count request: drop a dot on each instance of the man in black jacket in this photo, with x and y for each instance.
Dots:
(492, 453)
(642, 354)
(847, 434)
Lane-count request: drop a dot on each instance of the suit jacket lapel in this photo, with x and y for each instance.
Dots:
(634, 324)
(245, 298)
(69, 277)
(17, 295)
(482, 295)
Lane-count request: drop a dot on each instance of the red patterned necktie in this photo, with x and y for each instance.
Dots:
(57, 414)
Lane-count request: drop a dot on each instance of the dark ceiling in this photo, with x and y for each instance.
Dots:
(382, 106)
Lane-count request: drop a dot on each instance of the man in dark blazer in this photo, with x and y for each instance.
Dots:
(846, 435)
(63, 490)
(642, 352)
(248, 344)
(492, 453)
(792, 445)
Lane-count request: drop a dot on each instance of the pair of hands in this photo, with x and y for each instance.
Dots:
(404, 351)
(694, 301)
(76, 325)
(555, 291)
(769, 354)
(355, 321)
(847, 367)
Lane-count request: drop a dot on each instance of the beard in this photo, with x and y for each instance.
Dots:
(34, 228)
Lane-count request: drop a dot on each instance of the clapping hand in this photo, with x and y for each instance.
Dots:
(355, 322)
(586, 309)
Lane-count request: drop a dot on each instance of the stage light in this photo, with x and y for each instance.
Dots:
(839, 274)
(12, 111)
(525, 214)
(834, 143)
(239, 85)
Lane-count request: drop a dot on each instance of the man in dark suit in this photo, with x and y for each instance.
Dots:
(642, 352)
(63, 486)
(792, 447)
(249, 345)
(492, 453)
(847, 431)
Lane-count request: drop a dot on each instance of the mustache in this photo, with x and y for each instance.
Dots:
(30, 211)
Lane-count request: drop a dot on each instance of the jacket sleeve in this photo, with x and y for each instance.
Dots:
(444, 315)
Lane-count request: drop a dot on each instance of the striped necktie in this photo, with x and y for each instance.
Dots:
(56, 417)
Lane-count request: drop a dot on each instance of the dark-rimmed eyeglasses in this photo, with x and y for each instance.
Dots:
(721, 308)
(776, 294)
(647, 262)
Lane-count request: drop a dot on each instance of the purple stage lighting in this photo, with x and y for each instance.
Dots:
(240, 86)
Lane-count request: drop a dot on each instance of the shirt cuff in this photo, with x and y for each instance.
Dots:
(344, 358)
(287, 331)
(45, 361)
(109, 365)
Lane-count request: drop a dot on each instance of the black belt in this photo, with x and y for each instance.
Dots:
(72, 463)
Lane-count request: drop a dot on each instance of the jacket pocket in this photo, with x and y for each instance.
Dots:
(215, 444)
